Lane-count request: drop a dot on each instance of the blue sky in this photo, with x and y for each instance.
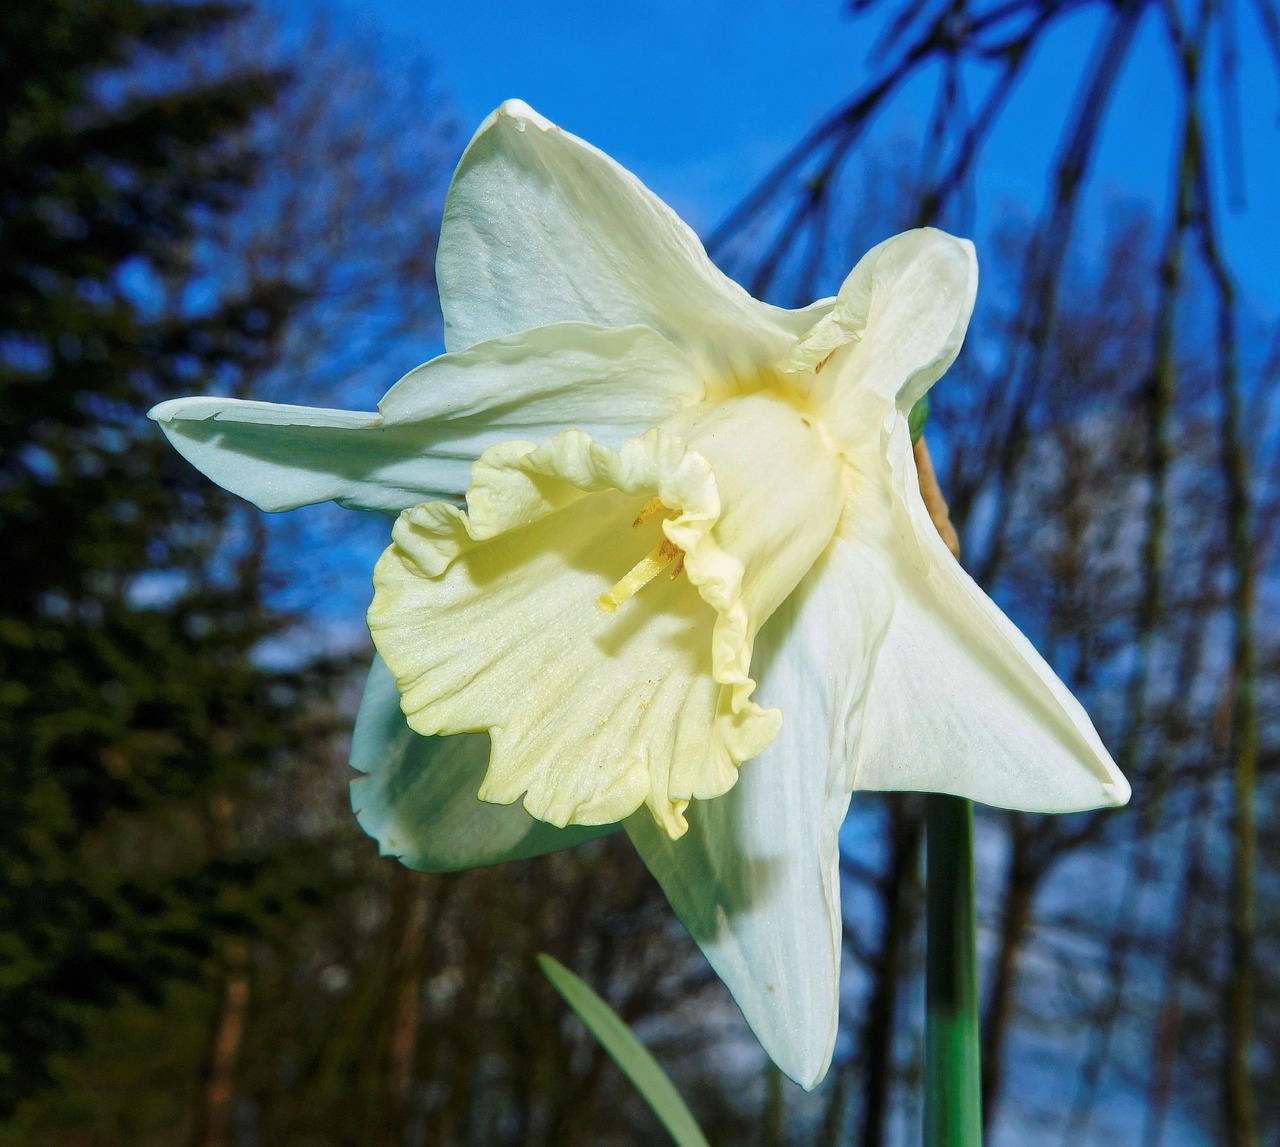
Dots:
(700, 102)
(699, 99)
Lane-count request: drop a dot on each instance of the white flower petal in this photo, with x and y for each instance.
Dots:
(419, 800)
(756, 878)
(436, 420)
(960, 701)
(800, 321)
(540, 227)
(897, 325)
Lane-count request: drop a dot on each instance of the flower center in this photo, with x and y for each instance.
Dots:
(648, 567)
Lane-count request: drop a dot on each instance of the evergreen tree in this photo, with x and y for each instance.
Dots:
(131, 607)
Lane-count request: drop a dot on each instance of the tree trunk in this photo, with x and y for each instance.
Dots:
(905, 826)
(228, 1034)
(1240, 1101)
(390, 1095)
(1019, 896)
(218, 1088)
(775, 1109)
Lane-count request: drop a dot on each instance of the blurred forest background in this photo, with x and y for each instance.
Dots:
(197, 944)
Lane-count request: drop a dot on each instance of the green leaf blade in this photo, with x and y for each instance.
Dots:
(627, 1052)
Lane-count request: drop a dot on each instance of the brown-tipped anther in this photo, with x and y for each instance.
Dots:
(652, 507)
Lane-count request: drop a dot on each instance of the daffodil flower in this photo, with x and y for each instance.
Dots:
(694, 588)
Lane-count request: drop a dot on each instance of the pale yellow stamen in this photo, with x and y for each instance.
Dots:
(641, 574)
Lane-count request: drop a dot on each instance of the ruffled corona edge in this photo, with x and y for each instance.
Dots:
(532, 501)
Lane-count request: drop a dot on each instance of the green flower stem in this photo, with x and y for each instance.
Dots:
(952, 1090)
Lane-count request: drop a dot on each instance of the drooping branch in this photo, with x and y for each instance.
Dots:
(1239, 1102)
(1045, 262)
(1161, 397)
